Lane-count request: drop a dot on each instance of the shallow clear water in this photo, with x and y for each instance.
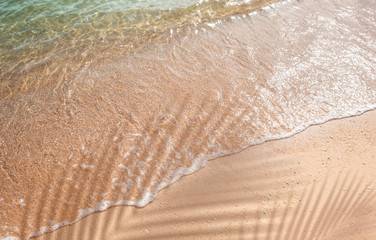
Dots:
(34, 34)
(26, 25)
(88, 124)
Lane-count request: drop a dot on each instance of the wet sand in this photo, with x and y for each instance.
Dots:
(118, 130)
(318, 184)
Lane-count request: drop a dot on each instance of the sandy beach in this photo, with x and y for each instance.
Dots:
(188, 119)
(318, 184)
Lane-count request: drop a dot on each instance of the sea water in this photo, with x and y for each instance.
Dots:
(104, 103)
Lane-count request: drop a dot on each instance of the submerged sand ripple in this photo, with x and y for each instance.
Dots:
(120, 129)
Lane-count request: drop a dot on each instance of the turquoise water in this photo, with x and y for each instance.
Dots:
(106, 103)
(34, 35)
(35, 32)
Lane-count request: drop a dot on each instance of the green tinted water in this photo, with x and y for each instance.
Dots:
(32, 33)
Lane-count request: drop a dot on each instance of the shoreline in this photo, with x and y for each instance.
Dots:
(251, 198)
(117, 133)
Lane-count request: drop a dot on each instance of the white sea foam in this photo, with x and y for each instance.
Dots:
(276, 81)
(83, 165)
(197, 164)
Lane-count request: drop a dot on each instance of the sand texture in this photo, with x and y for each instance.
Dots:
(90, 121)
(318, 184)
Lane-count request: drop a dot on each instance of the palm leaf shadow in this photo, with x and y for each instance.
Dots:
(325, 208)
(315, 215)
(319, 211)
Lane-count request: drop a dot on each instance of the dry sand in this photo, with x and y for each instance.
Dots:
(319, 184)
